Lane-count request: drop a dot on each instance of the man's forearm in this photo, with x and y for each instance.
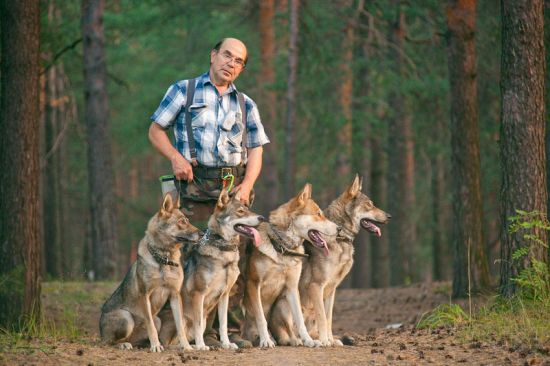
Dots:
(159, 139)
(253, 166)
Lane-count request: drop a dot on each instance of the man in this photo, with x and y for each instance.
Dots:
(217, 130)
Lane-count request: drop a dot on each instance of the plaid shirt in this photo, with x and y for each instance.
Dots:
(215, 119)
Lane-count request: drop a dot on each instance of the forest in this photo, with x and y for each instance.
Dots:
(440, 106)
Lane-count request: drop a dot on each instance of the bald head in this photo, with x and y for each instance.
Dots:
(232, 42)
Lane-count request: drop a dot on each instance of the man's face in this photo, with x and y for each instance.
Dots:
(227, 63)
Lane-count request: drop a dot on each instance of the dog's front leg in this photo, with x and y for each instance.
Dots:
(294, 300)
(150, 325)
(177, 312)
(315, 292)
(257, 310)
(199, 322)
(223, 307)
(329, 306)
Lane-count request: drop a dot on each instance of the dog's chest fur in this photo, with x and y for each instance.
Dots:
(212, 272)
(157, 279)
(273, 270)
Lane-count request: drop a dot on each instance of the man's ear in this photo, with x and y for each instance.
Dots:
(167, 206)
(213, 54)
(223, 199)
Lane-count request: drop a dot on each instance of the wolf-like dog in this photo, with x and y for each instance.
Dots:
(273, 269)
(211, 270)
(129, 315)
(326, 267)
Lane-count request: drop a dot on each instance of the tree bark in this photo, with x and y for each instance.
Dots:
(270, 189)
(522, 130)
(20, 245)
(467, 208)
(290, 131)
(401, 166)
(100, 168)
(361, 275)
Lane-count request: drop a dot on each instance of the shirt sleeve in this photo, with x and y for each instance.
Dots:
(170, 106)
(256, 135)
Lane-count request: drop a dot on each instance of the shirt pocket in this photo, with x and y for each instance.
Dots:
(233, 129)
(198, 115)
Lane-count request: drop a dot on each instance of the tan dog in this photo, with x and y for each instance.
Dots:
(273, 269)
(129, 315)
(326, 267)
(211, 270)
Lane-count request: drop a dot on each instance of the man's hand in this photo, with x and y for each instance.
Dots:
(245, 189)
(181, 167)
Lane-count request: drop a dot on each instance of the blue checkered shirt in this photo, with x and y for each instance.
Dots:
(215, 119)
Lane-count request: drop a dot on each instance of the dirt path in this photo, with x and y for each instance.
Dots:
(360, 314)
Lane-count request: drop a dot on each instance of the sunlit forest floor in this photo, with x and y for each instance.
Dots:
(364, 318)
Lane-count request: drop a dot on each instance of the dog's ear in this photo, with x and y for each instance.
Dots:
(237, 196)
(167, 206)
(355, 186)
(223, 199)
(304, 195)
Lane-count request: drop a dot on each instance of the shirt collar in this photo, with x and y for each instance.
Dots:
(205, 79)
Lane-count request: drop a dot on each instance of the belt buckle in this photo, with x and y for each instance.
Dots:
(226, 171)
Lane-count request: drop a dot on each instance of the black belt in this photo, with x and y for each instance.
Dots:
(205, 172)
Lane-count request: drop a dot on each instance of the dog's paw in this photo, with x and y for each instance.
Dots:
(156, 348)
(125, 345)
(325, 343)
(229, 345)
(202, 347)
(337, 343)
(266, 343)
(185, 347)
(312, 343)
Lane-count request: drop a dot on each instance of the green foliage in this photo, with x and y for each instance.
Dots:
(534, 282)
(442, 316)
(524, 319)
(533, 279)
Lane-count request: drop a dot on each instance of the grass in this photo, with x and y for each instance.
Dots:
(513, 322)
(443, 316)
(62, 305)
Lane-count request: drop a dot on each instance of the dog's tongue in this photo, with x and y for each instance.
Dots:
(325, 248)
(372, 228)
(257, 239)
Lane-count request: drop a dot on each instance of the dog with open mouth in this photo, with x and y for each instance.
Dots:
(329, 262)
(129, 316)
(211, 269)
(273, 270)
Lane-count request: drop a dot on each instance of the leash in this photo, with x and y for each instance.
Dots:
(228, 178)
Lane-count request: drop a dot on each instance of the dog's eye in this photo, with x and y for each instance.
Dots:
(183, 221)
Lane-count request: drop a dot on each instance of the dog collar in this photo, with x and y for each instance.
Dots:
(216, 241)
(159, 257)
(279, 239)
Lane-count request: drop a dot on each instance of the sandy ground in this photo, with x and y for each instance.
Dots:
(361, 317)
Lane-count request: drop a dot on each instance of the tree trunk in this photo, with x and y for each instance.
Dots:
(290, 131)
(401, 166)
(361, 275)
(20, 246)
(439, 239)
(270, 189)
(467, 208)
(100, 168)
(522, 130)
(380, 258)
